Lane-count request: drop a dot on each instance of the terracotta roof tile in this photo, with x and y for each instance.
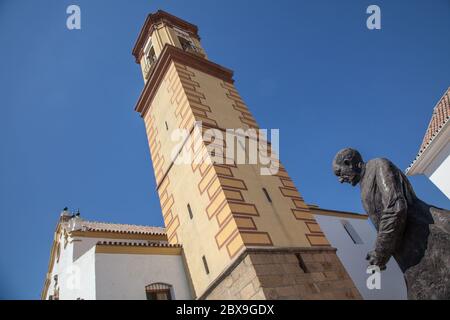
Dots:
(121, 228)
(441, 114)
(440, 117)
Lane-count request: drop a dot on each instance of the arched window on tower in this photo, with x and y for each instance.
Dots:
(158, 291)
(150, 58)
(186, 42)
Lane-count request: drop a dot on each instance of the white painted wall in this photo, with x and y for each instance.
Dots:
(76, 279)
(353, 257)
(83, 273)
(438, 171)
(124, 276)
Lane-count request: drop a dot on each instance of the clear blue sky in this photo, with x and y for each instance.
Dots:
(69, 135)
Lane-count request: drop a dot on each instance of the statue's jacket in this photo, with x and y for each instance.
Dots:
(416, 234)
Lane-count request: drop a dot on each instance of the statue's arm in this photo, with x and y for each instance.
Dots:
(393, 215)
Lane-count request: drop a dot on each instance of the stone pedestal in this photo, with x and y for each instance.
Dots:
(284, 273)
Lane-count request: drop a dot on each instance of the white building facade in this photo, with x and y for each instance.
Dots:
(354, 236)
(98, 261)
(433, 159)
(104, 261)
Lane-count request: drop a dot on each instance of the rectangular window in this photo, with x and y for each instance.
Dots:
(187, 45)
(301, 263)
(205, 264)
(150, 56)
(158, 291)
(351, 232)
(267, 194)
(190, 211)
(159, 295)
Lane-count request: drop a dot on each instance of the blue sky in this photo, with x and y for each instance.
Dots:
(69, 135)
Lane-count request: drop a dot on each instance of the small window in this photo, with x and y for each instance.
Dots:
(150, 57)
(158, 291)
(187, 44)
(167, 126)
(301, 263)
(149, 52)
(56, 295)
(190, 211)
(58, 252)
(205, 264)
(351, 232)
(267, 194)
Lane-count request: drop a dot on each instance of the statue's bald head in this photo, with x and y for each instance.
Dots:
(348, 165)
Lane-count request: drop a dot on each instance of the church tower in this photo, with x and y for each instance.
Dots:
(244, 234)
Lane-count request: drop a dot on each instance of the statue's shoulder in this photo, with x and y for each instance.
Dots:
(379, 162)
(382, 165)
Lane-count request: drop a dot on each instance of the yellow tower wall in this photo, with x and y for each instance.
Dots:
(231, 214)
(230, 209)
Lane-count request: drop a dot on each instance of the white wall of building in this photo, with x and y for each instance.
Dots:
(84, 274)
(353, 257)
(434, 161)
(438, 170)
(84, 244)
(78, 280)
(124, 276)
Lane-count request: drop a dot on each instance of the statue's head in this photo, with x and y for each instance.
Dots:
(348, 165)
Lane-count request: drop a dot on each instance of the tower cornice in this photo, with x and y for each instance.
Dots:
(151, 21)
(169, 54)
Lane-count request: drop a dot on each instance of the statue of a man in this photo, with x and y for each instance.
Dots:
(416, 234)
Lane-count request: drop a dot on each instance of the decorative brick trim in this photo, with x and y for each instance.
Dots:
(264, 236)
(238, 244)
(226, 232)
(317, 240)
(244, 223)
(166, 198)
(167, 56)
(239, 105)
(303, 214)
(313, 227)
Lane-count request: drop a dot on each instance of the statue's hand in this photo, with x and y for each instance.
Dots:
(374, 260)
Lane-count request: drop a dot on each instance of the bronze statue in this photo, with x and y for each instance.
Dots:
(416, 234)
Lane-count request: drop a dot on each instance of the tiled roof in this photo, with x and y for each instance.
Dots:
(441, 114)
(139, 244)
(440, 117)
(120, 228)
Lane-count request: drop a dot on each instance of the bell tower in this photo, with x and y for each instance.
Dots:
(244, 234)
